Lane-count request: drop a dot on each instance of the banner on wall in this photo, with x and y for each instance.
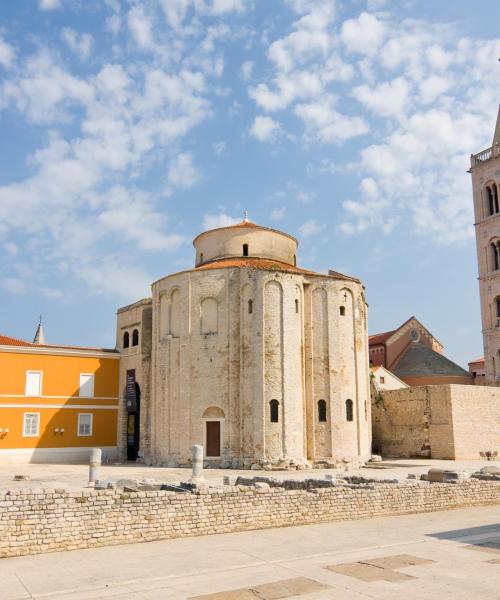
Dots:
(131, 392)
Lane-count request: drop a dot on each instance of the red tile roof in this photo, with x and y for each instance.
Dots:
(5, 340)
(478, 360)
(380, 338)
(251, 262)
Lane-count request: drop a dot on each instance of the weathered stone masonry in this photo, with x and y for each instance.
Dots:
(34, 521)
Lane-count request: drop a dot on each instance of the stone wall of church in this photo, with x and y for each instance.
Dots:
(229, 342)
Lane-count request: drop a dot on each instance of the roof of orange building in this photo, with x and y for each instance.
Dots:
(6, 340)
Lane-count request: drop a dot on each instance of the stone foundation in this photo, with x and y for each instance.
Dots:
(48, 520)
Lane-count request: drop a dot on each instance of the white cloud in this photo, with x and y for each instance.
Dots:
(219, 7)
(387, 99)
(80, 44)
(363, 35)
(15, 286)
(246, 70)
(140, 27)
(7, 54)
(219, 147)
(264, 129)
(220, 220)
(49, 4)
(325, 124)
(278, 214)
(182, 174)
(311, 227)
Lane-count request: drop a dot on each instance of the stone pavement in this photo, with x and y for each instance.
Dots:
(76, 476)
(452, 554)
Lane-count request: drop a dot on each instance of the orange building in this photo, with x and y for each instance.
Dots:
(56, 402)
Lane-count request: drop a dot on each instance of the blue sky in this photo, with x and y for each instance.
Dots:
(129, 127)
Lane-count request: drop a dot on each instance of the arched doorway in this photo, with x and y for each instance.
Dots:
(133, 404)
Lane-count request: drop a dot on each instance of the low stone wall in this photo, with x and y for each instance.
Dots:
(34, 521)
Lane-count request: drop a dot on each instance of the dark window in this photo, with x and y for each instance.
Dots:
(274, 409)
(250, 307)
(342, 311)
(494, 190)
(490, 200)
(135, 337)
(126, 340)
(497, 303)
(245, 249)
(296, 306)
(294, 260)
(322, 411)
(348, 410)
(201, 257)
(494, 256)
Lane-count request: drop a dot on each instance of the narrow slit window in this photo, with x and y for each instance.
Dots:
(322, 411)
(250, 307)
(349, 414)
(297, 306)
(342, 311)
(274, 411)
(245, 249)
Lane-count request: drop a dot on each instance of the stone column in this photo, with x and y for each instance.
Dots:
(197, 462)
(95, 464)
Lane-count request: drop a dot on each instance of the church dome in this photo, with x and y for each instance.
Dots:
(245, 239)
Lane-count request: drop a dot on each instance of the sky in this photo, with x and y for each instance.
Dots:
(126, 128)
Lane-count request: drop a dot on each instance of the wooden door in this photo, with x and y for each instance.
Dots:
(213, 438)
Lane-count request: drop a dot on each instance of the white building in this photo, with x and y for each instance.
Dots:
(255, 358)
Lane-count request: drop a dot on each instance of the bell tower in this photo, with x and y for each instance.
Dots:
(485, 171)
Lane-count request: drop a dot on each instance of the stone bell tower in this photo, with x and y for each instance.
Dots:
(485, 171)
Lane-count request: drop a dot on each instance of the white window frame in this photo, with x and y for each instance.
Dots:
(26, 384)
(37, 434)
(221, 445)
(91, 433)
(92, 376)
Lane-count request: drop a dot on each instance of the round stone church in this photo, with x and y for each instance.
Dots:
(260, 361)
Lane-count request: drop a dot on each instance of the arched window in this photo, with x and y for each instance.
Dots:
(126, 340)
(494, 191)
(349, 415)
(135, 337)
(208, 314)
(245, 249)
(489, 200)
(175, 313)
(250, 307)
(274, 411)
(342, 311)
(322, 411)
(494, 256)
(296, 306)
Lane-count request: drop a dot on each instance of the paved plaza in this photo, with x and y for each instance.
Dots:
(76, 476)
(453, 554)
